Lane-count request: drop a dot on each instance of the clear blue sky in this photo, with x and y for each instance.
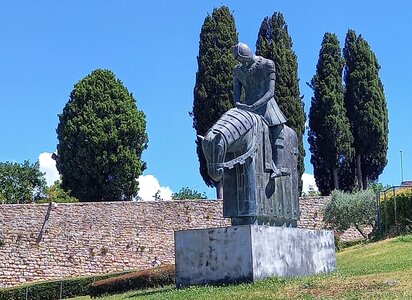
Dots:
(47, 46)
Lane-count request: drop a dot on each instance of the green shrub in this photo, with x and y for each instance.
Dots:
(403, 239)
(345, 210)
(340, 245)
(56, 194)
(13, 293)
(50, 290)
(160, 276)
(45, 290)
(403, 221)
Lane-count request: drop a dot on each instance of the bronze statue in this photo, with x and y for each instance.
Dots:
(256, 75)
(253, 150)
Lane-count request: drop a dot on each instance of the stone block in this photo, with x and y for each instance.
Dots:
(251, 252)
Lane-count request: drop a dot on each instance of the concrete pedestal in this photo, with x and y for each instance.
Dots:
(250, 252)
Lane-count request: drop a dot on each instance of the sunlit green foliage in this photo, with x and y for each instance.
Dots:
(345, 210)
(396, 218)
(21, 183)
(101, 137)
(187, 193)
(56, 194)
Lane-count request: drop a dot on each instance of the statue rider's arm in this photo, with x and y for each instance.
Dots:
(237, 89)
(270, 93)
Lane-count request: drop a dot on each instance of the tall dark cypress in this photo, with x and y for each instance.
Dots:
(275, 43)
(366, 109)
(330, 138)
(213, 92)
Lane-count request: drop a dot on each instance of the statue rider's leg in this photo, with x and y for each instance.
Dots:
(277, 141)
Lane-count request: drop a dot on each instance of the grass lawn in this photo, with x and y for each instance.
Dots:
(380, 270)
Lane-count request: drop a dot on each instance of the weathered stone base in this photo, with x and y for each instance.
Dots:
(250, 252)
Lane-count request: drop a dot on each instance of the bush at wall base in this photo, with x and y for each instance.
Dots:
(156, 277)
(54, 290)
(400, 223)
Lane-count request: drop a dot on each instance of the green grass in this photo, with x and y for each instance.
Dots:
(381, 270)
(382, 257)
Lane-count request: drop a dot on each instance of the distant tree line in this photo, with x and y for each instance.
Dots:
(22, 183)
(186, 193)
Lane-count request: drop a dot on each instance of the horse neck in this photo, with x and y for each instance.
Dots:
(242, 144)
(236, 129)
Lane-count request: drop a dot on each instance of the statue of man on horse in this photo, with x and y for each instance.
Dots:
(253, 150)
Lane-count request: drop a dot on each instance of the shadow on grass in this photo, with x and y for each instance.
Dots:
(157, 291)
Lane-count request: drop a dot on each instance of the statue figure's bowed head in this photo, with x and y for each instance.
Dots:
(242, 52)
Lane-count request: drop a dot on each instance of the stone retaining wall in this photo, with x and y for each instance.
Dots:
(311, 217)
(93, 238)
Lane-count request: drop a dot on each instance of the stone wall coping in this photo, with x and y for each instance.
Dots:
(136, 202)
(111, 202)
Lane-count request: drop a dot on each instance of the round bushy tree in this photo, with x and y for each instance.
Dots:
(21, 183)
(344, 210)
(101, 137)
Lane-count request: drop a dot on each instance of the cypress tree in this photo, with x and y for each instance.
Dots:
(101, 137)
(213, 91)
(366, 109)
(274, 43)
(330, 138)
